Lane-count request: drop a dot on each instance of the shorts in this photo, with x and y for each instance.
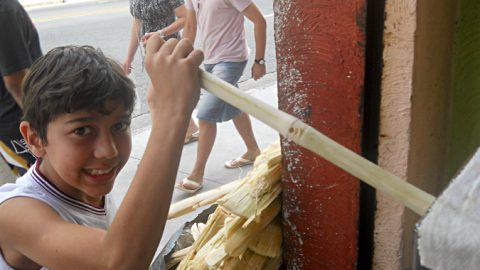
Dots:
(210, 107)
(16, 154)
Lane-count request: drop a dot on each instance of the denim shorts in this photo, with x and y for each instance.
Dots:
(213, 109)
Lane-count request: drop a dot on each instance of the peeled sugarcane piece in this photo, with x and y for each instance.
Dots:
(216, 256)
(192, 203)
(214, 224)
(196, 259)
(449, 234)
(269, 241)
(233, 224)
(263, 204)
(210, 254)
(304, 135)
(271, 155)
(249, 260)
(196, 230)
(176, 257)
(273, 263)
(255, 193)
(238, 242)
(264, 177)
(274, 160)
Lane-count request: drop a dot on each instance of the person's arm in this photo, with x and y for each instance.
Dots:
(190, 30)
(42, 235)
(173, 28)
(13, 83)
(260, 32)
(132, 45)
(15, 55)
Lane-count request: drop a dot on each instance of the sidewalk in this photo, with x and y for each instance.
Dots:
(228, 145)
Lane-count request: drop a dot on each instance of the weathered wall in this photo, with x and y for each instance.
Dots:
(465, 128)
(416, 91)
(320, 69)
(394, 131)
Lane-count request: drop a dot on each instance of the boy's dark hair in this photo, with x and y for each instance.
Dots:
(72, 78)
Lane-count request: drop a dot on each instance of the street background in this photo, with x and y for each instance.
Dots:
(107, 25)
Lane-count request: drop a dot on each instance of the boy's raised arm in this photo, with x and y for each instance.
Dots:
(138, 226)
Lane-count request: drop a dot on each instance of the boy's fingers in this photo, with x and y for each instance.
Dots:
(153, 44)
(196, 56)
(183, 48)
(169, 46)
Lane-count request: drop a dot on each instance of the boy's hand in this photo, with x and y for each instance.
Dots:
(173, 70)
(147, 36)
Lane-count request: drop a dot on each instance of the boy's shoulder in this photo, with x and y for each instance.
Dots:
(35, 186)
(24, 186)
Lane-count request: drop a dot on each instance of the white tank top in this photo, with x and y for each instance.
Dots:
(34, 185)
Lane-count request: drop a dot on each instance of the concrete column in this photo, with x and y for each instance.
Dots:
(320, 67)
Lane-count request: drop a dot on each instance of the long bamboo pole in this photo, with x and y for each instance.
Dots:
(304, 135)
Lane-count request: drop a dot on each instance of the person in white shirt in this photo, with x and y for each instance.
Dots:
(221, 23)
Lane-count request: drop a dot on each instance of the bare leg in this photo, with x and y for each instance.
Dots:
(208, 132)
(192, 128)
(244, 127)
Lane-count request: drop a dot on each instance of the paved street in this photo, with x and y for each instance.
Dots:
(107, 24)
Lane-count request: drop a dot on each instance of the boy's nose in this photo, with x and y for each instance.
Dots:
(105, 147)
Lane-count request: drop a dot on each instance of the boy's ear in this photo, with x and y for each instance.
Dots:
(33, 139)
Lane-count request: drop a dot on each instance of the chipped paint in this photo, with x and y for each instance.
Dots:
(320, 54)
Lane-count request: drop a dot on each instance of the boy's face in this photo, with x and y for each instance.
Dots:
(86, 150)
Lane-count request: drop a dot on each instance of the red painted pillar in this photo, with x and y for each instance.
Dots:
(320, 67)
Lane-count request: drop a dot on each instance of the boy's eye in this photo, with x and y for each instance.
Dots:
(82, 131)
(121, 126)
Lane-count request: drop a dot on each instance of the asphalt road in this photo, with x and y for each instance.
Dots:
(106, 25)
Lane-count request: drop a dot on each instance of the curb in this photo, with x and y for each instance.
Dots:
(32, 4)
(35, 3)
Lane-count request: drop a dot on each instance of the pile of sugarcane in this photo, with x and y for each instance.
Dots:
(244, 232)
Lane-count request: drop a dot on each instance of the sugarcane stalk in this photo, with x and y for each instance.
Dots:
(304, 135)
(176, 257)
(192, 203)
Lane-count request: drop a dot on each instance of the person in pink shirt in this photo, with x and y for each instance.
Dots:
(221, 23)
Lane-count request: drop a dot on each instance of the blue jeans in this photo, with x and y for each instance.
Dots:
(210, 107)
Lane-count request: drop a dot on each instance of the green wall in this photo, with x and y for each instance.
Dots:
(465, 121)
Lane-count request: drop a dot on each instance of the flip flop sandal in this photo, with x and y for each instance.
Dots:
(238, 162)
(191, 138)
(197, 186)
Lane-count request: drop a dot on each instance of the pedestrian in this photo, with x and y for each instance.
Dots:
(157, 17)
(78, 105)
(19, 48)
(221, 23)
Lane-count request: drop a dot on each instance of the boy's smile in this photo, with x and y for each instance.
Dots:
(85, 151)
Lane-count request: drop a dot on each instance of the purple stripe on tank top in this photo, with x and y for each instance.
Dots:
(53, 190)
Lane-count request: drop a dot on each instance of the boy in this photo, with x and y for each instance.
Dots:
(77, 110)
